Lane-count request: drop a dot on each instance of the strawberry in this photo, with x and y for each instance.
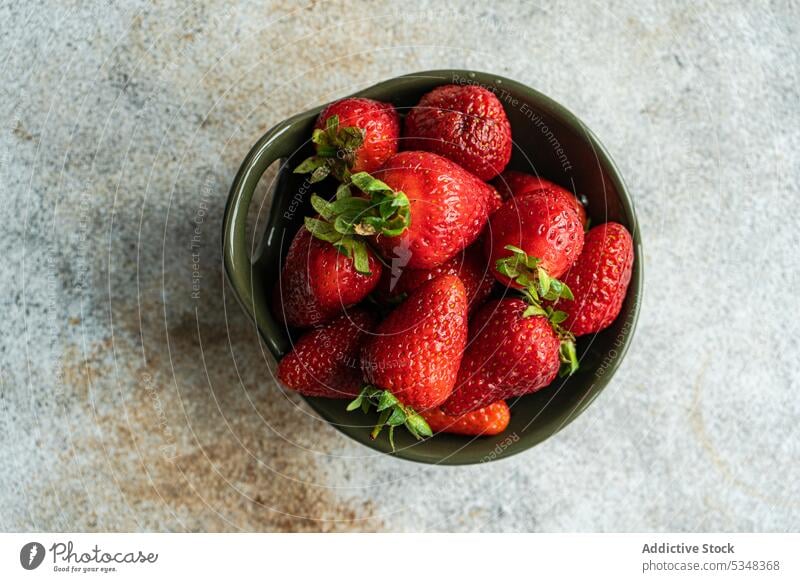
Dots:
(448, 209)
(352, 135)
(545, 227)
(422, 214)
(464, 123)
(325, 361)
(495, 200)
(512, 183)
(487, 421)
(412, 360)
(510, 353)
(598, 279)
(468, 265)
(318, 281)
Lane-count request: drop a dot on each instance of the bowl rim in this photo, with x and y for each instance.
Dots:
(267, 150)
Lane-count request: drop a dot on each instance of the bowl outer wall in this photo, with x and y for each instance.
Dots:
(535, 417)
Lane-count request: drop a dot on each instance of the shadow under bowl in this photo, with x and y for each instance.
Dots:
(548, 141)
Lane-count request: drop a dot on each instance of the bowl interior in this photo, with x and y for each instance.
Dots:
(548, 141)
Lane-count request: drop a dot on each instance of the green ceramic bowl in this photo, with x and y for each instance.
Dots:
(549, 141)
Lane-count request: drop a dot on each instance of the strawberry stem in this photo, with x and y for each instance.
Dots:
(393, 413)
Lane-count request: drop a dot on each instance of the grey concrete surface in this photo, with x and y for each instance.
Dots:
(127, 405)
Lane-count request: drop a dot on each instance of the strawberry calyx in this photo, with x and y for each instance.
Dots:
(336, 148)
(345, 221)
(537, 286)
(393, 413)
(526, 272)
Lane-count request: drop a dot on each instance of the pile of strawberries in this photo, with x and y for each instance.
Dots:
(427, 292)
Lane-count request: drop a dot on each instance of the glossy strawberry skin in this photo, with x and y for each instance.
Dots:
(464, 123)
(449, 207)
(598, 280)
(318, 282)
(415, 352)
(508, 355)
(378, 119)
(512, 183)
(487, 421)
(544, 226)
(469, 266)
(325, 361)
(495, 200)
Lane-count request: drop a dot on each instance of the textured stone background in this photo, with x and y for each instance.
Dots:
(125, 405)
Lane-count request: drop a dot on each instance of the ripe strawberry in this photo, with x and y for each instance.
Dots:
(318, 281)
(598, 279)
(352, 135)
(412, 360)
(495, 200)
(469, 265)
(465, 123)
(545, 227)
(325, 361)
(511, 184)
(448, 209)
(509, 354)
(487, 421)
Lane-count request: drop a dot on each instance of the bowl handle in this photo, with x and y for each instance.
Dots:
(235, 252)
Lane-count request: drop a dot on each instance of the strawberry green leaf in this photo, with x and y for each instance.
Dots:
(310, 164)
(544, 281)
(368, 184)
(532, 310)
(360, 256)
(397, 418)
(343, 191)
(336, 148)
(357, 403)
(393, 413)
(332, 127)
(320, 174)
(322, 206)
(568, 357)
(418, 424)
(381, 423)
(386, 400)
(322, 230)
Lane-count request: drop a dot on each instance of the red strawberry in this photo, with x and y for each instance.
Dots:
(487, 421)
(509, 354)
(598, 279)
(352, 135)
(412, 360)
(448, 209)
(465, 123)
(318, 281)
(469, 265)
(325, 361)
(415, 351)
(511, 184)
(545, 227)
(495, 200)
